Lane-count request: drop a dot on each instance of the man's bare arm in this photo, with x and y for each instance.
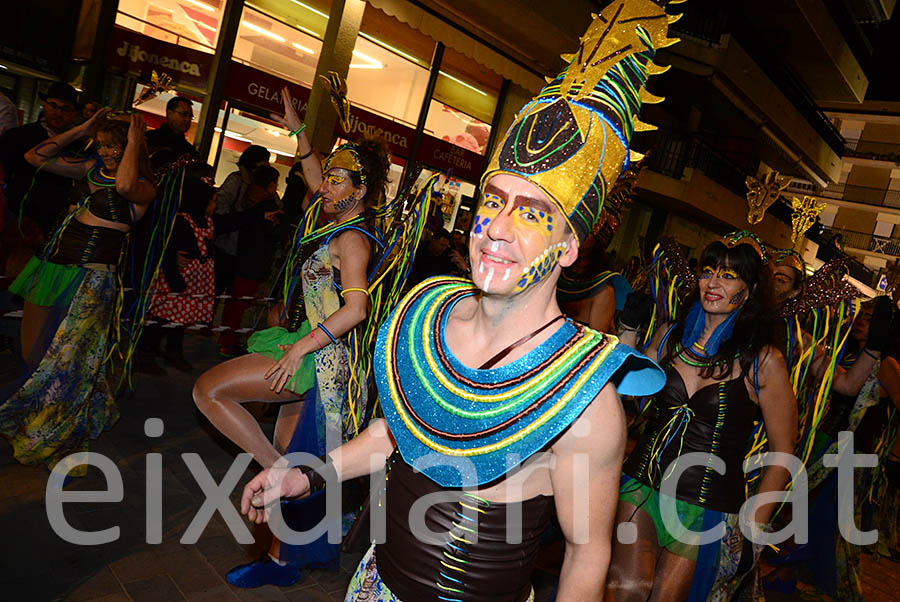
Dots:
(585, 479)
(360, 456)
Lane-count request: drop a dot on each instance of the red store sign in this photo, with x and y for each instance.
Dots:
(138, 53)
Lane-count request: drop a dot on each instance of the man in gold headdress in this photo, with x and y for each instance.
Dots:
(493, 400)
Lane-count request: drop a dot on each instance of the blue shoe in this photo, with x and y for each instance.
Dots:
(263, 572)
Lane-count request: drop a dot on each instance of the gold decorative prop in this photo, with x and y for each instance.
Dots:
(159, 83)
(337, 89)
(762, 193)
(806, 211)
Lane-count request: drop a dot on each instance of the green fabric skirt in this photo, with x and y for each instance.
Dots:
(266, 342)
(48, 284)
(647, 499)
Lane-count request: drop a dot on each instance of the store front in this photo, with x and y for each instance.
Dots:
(279, 44)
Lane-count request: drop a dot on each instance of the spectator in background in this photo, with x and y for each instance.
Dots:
(230, 194)
(48, 197)
(256, 247)
(168, 142)
(89, 108)
(437, 258)
(9, 114)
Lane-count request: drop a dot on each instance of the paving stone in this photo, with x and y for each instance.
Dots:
(103, 583)
(267, 593)
(153, 589)
(217, 594)
(194, 574)
(312, 593)
(331, 581)
(111, 598)
(139, 565)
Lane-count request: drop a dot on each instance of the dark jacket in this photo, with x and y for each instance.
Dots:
(165, 146)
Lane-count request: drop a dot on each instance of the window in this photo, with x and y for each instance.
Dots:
(190, 23)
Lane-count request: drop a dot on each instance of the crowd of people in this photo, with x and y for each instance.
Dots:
(505, 371)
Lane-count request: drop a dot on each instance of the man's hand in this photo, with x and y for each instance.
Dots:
(267, 488)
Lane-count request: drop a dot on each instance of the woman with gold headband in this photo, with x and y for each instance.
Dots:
(818, 358)
(724, 371)
(70, 293)
(326, 297)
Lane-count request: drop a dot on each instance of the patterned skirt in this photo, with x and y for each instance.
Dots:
(366, 585)
(67, 400)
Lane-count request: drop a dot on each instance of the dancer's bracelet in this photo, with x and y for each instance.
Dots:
(328, 334)
(317, 480)
(316, 339)
(297, 131)
(869, 352)
(304, 156)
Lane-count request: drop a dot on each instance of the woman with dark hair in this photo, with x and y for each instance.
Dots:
(326, 297)
(70, 293)
(724, 372)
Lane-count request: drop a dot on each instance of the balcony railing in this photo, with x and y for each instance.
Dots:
(852, 193)
(672, 154)
(877, 151)
(866, 242)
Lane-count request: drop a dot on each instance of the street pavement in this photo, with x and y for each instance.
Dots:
(36, 564)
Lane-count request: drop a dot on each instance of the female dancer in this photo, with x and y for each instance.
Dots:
(723, 368)
(284, 363)
(67, 398)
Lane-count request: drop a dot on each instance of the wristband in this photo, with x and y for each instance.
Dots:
(297, 131)
(868, 352)
(316, 479)
(316, 339)
(328, 334)
(302, 157)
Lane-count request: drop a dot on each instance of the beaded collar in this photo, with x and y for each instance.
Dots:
(483, 423)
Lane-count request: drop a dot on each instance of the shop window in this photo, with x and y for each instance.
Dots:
(457, 128)
(190, 23)
(276, 48)
(386, 82)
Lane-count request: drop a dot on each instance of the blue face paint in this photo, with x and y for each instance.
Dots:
(541, 267)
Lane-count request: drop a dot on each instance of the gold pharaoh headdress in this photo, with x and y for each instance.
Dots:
(572, 139)
(345, 157)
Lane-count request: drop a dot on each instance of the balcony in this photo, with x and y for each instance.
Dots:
(865, 242)
(671, 154)
(884, 152)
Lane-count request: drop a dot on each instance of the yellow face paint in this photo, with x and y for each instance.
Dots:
(335, 179)
(488, 209)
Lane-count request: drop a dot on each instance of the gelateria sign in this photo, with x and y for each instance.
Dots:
(263, 90)
(140, 54)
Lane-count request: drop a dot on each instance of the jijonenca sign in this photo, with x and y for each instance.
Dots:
(394, 138)
(137, 55)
